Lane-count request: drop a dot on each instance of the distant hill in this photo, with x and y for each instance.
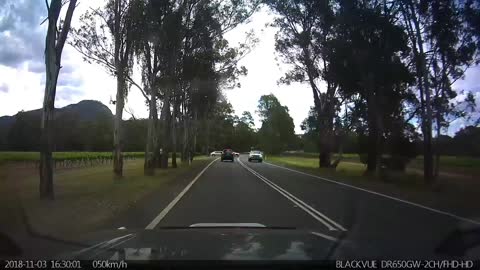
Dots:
(87, 110)
(84, 111)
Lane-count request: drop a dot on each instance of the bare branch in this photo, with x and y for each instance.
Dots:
(65, 28)
(130, 80)
(131, 112)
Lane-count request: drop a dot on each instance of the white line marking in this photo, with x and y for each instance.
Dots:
(304, 206)
(382, 195)
(107, 248)
(103, 244)
(175, 201)
(308, 206)
(303, 203)
(328, 237)
(252, 225)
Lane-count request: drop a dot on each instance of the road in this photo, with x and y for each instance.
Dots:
(244, 192)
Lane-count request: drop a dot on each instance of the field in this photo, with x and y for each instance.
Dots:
(448, 164)
(65, 159)
(90, 191)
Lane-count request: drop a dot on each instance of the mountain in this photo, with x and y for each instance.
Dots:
(84, 111)
(87, 110)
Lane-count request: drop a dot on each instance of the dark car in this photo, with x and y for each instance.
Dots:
(227, 154)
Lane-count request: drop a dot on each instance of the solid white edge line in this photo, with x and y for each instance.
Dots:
(382, 195)
(165, 211)
(328, 237)
(311, 213)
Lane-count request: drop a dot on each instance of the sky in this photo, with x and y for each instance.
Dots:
(22, 69)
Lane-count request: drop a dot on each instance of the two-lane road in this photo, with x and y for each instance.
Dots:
(228, 193)
(379, 225)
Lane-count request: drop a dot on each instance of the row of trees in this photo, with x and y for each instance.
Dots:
(386, 67)
(76, 131)
(183, 58)
(89, 128)
(463, 143)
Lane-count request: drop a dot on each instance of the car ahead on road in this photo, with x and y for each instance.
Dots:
(255, 155)
(216, 153)
(227, 154)
(236, 154)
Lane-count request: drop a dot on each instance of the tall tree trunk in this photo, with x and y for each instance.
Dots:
(149, 163)
(372, 144)
(326, 138)
(374, 126)
(207, 134)
(378, 139)
(185, 138)
(325, 153)
(157, 157)
(437, 152)
(427, 110)
(54, 43)
(117, 128)
(186, 144)
(46, 160)
(166, 134)
(373, 133)
(194, 143)
(322, 105)
(174, 133)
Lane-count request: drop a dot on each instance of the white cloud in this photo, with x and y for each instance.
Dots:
(25, 90)
(25, 82)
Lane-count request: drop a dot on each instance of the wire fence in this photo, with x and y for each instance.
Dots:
(65, 160)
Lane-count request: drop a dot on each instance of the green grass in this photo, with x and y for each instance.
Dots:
(349, 171)
(348, 168)
(315, 155)
(84, 198)
(454, 164)
(471, 164)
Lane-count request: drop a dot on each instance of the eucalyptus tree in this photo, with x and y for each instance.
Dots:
(444, 40)
(305, 29)
(57, 33)
(366, 61)
(106, 36)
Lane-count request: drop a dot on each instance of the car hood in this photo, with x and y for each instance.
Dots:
(205, 243)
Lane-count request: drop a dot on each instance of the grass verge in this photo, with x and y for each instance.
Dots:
(84, 198)
(468, 166)
(352, 172)
(457, 195)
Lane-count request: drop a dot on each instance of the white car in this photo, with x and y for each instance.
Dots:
(255, 155)
(216, 154)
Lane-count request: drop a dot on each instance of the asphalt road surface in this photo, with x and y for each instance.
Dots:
(245, 192)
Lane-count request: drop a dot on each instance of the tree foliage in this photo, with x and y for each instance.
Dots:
(277, 132)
